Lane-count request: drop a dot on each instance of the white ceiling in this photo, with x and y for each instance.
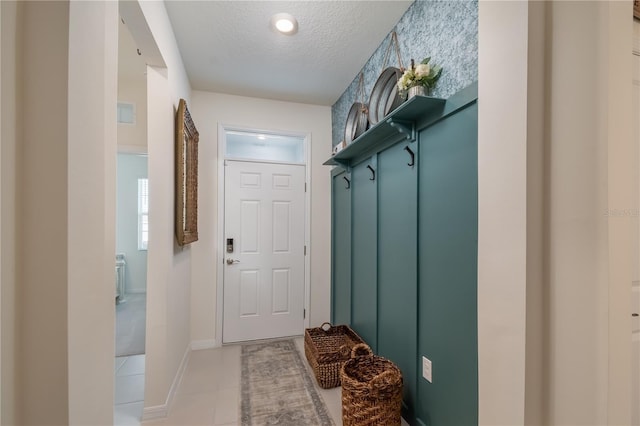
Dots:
(229, 47)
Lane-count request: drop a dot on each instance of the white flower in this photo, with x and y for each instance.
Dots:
(422, 70)
(405, 81)
(422, 74)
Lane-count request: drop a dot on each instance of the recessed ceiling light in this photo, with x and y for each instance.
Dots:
(284, 23)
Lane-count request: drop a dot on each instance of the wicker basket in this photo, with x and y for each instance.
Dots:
(371, 390)
(327, 347)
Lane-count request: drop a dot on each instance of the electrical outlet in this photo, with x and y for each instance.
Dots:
(427, 369)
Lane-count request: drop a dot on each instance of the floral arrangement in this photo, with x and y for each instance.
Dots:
(422, 74)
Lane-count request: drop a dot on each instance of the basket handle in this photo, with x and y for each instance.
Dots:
(344, 351)
(361, 349)
(328, 324)
(384, 380)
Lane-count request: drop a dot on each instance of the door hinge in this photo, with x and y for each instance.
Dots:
(305, 250)
(304, 314)
(305, 187)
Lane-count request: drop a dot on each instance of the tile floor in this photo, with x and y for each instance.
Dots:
(129, 390)
(209, 393)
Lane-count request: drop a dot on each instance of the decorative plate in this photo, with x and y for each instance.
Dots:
(356, 122)
(384, 96)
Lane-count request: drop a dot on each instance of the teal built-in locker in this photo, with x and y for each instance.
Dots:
(341, 249)
(397, 263)
(448, 240)
(404, 259)
(364, 255)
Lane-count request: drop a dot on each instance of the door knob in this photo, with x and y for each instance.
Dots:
(232, 261)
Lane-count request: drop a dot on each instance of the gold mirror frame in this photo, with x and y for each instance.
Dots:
(186, 176)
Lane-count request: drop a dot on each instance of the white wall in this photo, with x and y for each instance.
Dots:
(159, 24)
(553, 269)
(169, 266)
(210, 109)
(169, 273)
(502, 215)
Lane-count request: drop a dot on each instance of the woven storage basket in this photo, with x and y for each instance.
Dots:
(327, 347)
(371, 390)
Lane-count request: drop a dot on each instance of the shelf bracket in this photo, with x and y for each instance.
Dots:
(403, 127)
(336, 162)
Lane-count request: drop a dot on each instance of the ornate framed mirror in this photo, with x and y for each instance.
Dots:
(186, 176)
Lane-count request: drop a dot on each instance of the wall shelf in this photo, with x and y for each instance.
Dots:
(400, 122)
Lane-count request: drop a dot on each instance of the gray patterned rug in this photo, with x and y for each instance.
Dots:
(277, 389)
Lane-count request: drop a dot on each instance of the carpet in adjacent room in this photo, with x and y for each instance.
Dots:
(131, 325)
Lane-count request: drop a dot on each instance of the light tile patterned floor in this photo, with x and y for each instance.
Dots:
(129, 393)
(209, 393)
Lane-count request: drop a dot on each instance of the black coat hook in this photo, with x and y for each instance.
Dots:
(348, 182)
(413, 156)
(373, 172)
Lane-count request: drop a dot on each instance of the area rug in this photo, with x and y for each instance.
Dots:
(130, 325)
(277, 389)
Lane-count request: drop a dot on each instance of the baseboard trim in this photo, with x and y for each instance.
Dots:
(198, 345)
(161, 411)
(155, 412)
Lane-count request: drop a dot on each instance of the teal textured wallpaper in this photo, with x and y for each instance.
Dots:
(447, 31)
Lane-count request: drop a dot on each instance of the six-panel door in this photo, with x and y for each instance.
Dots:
(264, 272)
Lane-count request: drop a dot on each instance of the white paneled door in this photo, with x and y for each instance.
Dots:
(264, 251)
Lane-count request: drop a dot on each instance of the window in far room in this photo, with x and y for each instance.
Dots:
(143, 213)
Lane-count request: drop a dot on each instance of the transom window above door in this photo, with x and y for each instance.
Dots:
(244, 145)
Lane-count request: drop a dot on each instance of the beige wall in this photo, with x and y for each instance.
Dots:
(636, 177)
(133, 137)
(554, 300)
(211, 109)
(55, 273)
(91, 175)
(43, 245)
(8, 156)
(132, 88)
(614, 20)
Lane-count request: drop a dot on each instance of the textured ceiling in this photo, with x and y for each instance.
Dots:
(229, 47)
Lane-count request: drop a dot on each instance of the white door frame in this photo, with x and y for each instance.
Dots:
(222, 129)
